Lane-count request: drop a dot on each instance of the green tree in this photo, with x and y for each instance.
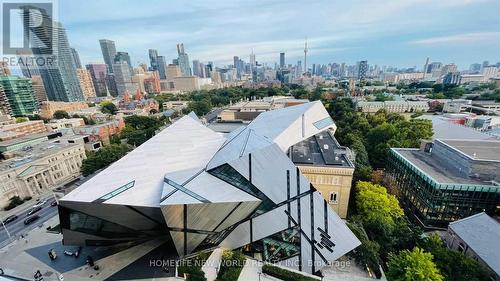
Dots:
(368, 252)
(61, 114)
(374, 204)
(139, 129)
(103, 158)
(108, 107)
(416, 265)
(201, 107)
(454, 266)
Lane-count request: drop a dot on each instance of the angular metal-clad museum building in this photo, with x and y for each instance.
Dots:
(204, 189)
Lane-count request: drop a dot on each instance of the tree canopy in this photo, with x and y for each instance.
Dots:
(454, 266)
(374, 204)
(103, 158)
(108, 107)
(416, 265)
(61, 114)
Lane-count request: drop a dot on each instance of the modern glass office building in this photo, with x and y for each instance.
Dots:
(446, 180)
(203, 190)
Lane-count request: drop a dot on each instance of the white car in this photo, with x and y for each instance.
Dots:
(40, 204)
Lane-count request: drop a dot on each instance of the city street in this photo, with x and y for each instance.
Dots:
(17, 227)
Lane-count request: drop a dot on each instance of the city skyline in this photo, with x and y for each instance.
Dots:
(399, 34)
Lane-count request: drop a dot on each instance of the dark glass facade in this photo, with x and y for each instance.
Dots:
(277, 247)
(436, 204)
(230, 175)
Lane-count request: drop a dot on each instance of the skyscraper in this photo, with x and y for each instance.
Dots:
(123, 78)
(124, 57)
(20, 95)
(59, 79)
(76, 58)
(86, 83)
(183, 60)
(162, 67)
(108, 53)
(362, 69)
(305, 57)
(282, 60)
(253, 62)
(153, 59)
(196, 68)
(98, 74)
(39, 89)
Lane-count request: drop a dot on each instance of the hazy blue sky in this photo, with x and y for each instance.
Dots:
(390, 32)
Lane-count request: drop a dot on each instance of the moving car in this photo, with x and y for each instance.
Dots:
(31, 219)
(10, 219)
(34, 210)
(40, 203)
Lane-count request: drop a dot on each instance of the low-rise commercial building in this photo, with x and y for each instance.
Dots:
(477, 236)
(101, 132)
(392, 106)
(25, 128)
(446, 180)
(39, 169)
(57, 124)
(49, 107)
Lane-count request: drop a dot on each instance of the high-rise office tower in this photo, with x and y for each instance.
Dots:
(426, 65)
(108, 53)
(362, 70)
(196, 68)
(209, 69)
(123, 78)
(153, 59)
(39, 89)
(183, 60)
(433, 67)
(98, 75)
(282, 60)
(253, 62)
(238, 65)
(162, 67)
(20, 95)
(86, 83)
(59, 79)
(202, 70)
(305, 56)
(76, 58)
(124, 57)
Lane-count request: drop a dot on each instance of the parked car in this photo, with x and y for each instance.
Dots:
(10, 219)
(31, 219)
(54, 203)
(34, 210)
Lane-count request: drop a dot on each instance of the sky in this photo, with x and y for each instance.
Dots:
(399, 33)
